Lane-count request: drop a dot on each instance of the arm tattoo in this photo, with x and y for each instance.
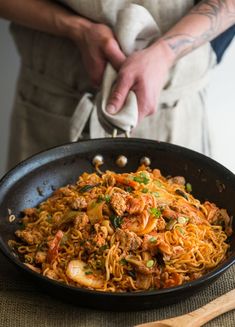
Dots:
(220, 14)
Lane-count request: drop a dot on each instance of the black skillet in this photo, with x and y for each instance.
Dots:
(35, 179)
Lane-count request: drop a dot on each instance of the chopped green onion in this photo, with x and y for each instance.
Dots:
(156, 194)
(150, 263)
(153, 239)
(188, 187)
(158, 183)
(141, 178)
(180, 229)
(144, 190)
(88, 272)
(129, 189)
(107, 198)
(102, 198)
(182, 220)
(155, 212)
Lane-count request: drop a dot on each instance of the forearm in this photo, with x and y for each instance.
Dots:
(203, 23)
(43, 15)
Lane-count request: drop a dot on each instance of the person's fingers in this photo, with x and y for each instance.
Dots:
(118, 95)
(95, 67)
(97, 71)
(114, 54)
(98, 60)
(145, 100)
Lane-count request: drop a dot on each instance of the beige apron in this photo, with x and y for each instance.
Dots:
(53, 103)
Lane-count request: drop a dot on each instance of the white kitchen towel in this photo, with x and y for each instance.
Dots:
(135, 29)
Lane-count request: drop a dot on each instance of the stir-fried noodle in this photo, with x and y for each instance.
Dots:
(123, 232)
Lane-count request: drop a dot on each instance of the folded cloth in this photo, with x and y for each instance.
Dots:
(135, 29)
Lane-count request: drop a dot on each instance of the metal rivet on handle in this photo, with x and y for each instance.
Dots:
(145, 161)
(121, 161)
(98, 160)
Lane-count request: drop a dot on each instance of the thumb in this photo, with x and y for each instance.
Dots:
(118, 96)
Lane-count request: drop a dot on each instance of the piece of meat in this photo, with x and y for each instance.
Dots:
(129, 241)
(78, 203)
(161, 224)
(81, 221)
(30, 237)
(156, 243)
(135, 205)
(30, 215)
(40, 257)
(30, 211)
(216, 216)
(156, 173)
(173, 279)
(169, 213)
(180, 180)
(143, 282)
(118, 203)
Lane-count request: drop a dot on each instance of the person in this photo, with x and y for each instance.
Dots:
(64, 50)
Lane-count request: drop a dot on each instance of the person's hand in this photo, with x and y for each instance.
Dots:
(98, 46)
(144, 72)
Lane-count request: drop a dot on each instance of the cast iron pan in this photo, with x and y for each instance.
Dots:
(35, 179)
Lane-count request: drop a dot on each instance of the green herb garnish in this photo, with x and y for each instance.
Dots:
(156, 194)
(129, 189)
(116, 221)
(155, 212)
(150, 263)
(88, 272)
(183, 220)
(180, 229)
(188, 187)
(158, 183)
(107, 198)
(87, 188)
(144, 190)
(141, 178)
(123, 261)
(102, 198)
(153, 239)
(104, 247)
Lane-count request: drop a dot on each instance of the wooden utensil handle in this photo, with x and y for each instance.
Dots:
(211, 310)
